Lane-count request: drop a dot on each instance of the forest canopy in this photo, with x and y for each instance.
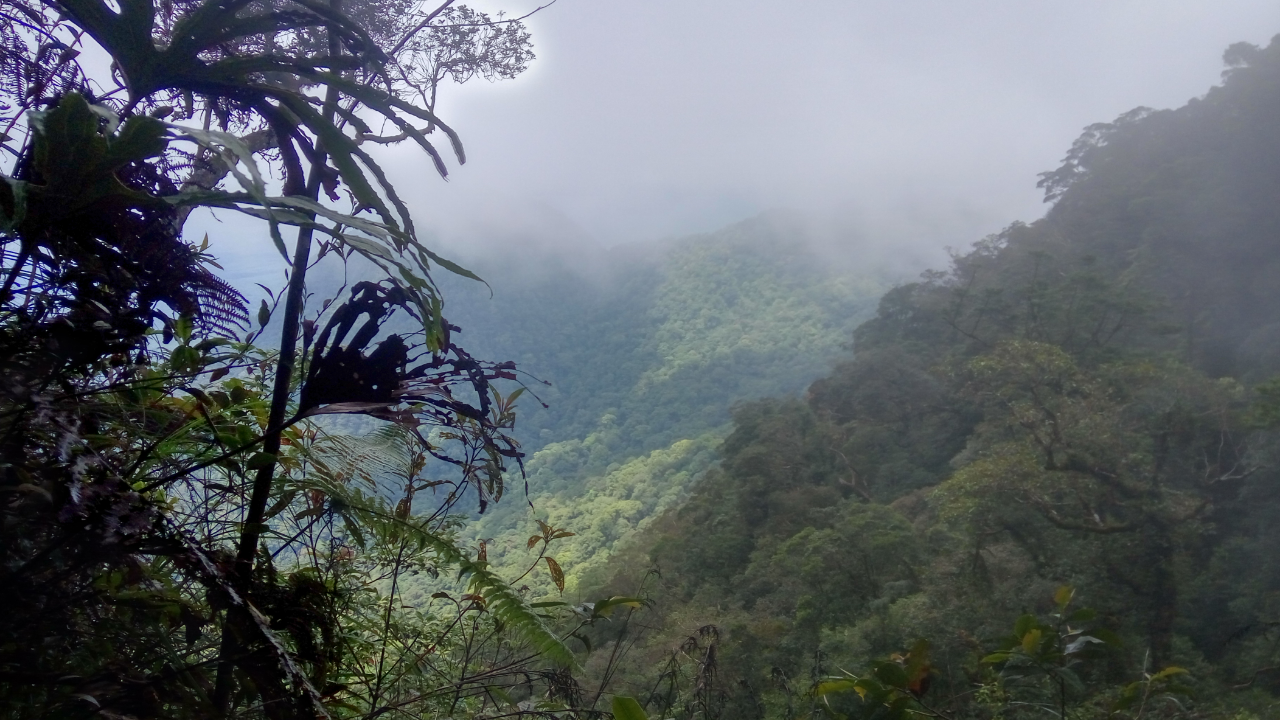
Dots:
(1043, 484)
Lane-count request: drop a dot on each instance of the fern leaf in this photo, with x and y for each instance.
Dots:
(503, 601)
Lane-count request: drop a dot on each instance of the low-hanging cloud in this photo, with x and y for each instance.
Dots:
(918, 123)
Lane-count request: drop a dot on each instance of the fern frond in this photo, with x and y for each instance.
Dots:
(502, 600)
(386, 451)
(367, 457)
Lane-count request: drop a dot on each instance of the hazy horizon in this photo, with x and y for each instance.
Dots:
(907, 127)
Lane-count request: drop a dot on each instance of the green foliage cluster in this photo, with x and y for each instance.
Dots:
(660, 339)
(178, 536)
(645, 358)
(1082, 402)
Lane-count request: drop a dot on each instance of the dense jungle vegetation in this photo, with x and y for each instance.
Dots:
(1044, 483)
(646, 348)
(182, 533)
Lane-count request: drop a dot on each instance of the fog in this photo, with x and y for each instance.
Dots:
(903, 125)
(920, 119)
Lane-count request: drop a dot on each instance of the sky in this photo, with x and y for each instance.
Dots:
(905, 125)
(901, 122)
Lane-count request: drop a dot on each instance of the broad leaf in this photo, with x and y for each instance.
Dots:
(626, 708)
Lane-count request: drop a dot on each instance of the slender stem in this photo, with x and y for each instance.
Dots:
(251, 532)
(279, 405)
(13, 274)
(386, 624)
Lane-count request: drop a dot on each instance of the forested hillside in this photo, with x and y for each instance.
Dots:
(645, 349)
(1053, 462)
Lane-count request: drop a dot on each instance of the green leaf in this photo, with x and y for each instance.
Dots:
(626, 708)
(1128, 696)
(264, 314)
(453, 267)
(199, 395)
(233, 152)
(1079, 644)
(837, 685)
(387, 105)
(368, 247)
(13, 203)
(1082, 615)
(184, 357)
(279, 505)
(503, 601)
(378, 230)
(605, 608)
(1024, 624)
(1063, 596)
(1107, 637)
(208, 344)
(1031, 640)
(260, 460)
(892, 674)
(141, 138)
(353, 529)
(68, 147)
(501, 695)
(557, 574)
(342, 152)
(1170, 672)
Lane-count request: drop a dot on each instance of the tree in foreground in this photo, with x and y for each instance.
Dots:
(179, 535)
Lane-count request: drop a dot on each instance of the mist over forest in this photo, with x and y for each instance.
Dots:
(555, 361)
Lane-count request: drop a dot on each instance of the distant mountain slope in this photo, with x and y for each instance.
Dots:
(1187, 203)
(1090, 400)
(645, 357)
